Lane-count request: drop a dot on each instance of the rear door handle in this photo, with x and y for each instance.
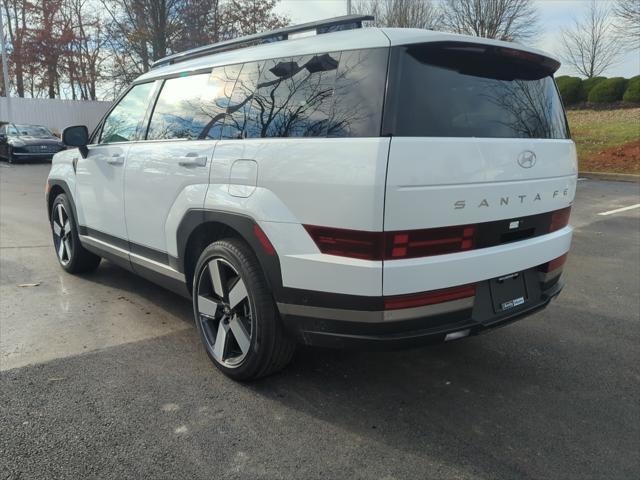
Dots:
(192, 160)
(116, 159)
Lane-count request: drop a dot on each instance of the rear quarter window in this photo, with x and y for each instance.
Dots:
(469, 90)
(359, 93)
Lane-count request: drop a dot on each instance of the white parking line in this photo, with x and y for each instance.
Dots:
(618, 210)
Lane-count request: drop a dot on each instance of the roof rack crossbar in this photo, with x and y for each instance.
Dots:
(346, 22)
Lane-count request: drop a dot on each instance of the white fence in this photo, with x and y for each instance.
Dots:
(53, 113)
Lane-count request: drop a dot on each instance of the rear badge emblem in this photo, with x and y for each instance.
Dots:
(527, 159)
(514, 225)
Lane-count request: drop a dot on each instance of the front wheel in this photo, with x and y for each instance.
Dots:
(72, 256)
(235, 313)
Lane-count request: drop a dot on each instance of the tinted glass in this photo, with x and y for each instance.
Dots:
(221, 83)
(238, 118)
(359, 93)
(123, 123)
(294, 97)
(474, 91)
(34, 130)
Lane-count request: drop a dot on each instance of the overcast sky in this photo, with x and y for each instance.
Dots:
(554, 15)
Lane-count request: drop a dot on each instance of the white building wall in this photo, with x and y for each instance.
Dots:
(53, 113)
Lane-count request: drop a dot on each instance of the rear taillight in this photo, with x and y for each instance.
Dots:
(432, 241)
(559, 219)
(554, 264)
(392, 245)
(347, 243)
(429, 298)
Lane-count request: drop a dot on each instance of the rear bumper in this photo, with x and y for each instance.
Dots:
(376, 329)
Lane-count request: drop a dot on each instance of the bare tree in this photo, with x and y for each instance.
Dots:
(589, 45)
(17, 12)
(401, 13)
(627, 12)
(244, 17)
(511, 20)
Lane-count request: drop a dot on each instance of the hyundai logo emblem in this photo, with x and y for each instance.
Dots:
(527, 159)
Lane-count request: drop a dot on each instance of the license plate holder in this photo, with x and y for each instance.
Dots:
(508, 292)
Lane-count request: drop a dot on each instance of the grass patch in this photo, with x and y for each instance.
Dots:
(604, 137)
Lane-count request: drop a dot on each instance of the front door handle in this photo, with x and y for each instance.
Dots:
(116, 159)
(192, 160)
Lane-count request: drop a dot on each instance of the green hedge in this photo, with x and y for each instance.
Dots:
(570, 89)
(588, 84)
(608, 91)
(632, 94)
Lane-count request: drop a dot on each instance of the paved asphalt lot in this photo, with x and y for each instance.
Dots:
(103, 377)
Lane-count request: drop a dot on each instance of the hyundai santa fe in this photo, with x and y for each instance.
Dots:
(356, 188)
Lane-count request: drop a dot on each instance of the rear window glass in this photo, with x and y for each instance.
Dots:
(239, 117)
(359, 93)
(468, 90)
(294, 97)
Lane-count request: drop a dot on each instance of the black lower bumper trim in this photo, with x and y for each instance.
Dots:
(417, 332)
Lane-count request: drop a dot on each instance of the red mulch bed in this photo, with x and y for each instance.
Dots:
(625, 158)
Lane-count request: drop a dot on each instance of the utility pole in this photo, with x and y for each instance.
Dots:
(348, 7)
(5, 66)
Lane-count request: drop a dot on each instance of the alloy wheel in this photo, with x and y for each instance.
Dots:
(63, 239)
(224, 312)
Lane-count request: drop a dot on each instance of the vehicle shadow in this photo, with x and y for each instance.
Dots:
(492, 405)
(502, 401)
(110, 275)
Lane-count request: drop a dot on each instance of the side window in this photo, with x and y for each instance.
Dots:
(359, 93)
(294, 97)
(188, 107)
(239, 118)
(218, 99)
(123, 123)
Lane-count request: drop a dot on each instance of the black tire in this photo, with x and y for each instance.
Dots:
(10, 157)
(71, 255)
(267, 347)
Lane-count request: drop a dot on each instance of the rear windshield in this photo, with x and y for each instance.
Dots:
(468, 90)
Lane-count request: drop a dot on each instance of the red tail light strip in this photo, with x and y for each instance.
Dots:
(427, 242)
(392, 245)
(559, 219)
(429, 298)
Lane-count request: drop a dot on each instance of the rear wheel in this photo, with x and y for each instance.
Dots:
(235, 313)
(72, 256)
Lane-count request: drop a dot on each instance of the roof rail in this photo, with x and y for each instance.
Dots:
(346, 22)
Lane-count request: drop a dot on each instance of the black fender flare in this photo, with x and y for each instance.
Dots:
(63, 185)
(244, 225)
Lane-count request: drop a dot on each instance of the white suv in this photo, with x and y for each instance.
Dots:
(355, 188)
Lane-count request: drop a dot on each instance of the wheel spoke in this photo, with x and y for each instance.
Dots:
(240, 334)
(216, 278)
(220, 345)
(66, 226)
(57, 229)
(67, 248)
(207, 306)
(60, 214)
(237, 293)
(61, 250)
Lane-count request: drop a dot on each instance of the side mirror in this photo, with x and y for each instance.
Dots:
(77, 136)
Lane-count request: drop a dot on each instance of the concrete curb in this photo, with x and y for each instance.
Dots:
(616, 177)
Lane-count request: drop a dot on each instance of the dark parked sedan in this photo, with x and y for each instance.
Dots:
(28, 142)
